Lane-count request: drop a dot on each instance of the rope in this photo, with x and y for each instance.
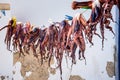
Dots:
(84, 11)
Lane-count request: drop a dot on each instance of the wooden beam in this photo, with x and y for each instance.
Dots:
(4, 6)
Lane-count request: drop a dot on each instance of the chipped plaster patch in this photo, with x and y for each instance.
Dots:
(76, 77)
(31, 69)
(110, 69)
(52, 70)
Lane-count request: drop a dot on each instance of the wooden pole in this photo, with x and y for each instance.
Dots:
(4, 6)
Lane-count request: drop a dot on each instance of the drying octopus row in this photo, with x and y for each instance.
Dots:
(60, 37)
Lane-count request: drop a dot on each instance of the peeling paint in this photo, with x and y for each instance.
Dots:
(4, 77)
(52, 71)
(76, 77)
(31, 64)
(110, 69)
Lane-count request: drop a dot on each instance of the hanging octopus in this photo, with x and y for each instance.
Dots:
(101, 11)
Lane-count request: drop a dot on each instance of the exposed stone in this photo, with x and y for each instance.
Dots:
(52, 71)
(110, 69)
(31, 63)
(75, 77)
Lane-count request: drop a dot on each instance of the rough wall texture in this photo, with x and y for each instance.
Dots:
(4, 77)
(75, 77)
(41, 72)
(30, 63)
(110, 69)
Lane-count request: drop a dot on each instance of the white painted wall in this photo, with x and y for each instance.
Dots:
(38, 12)
(6, 57)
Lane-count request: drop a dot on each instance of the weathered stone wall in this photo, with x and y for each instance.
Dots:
(31, 64)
